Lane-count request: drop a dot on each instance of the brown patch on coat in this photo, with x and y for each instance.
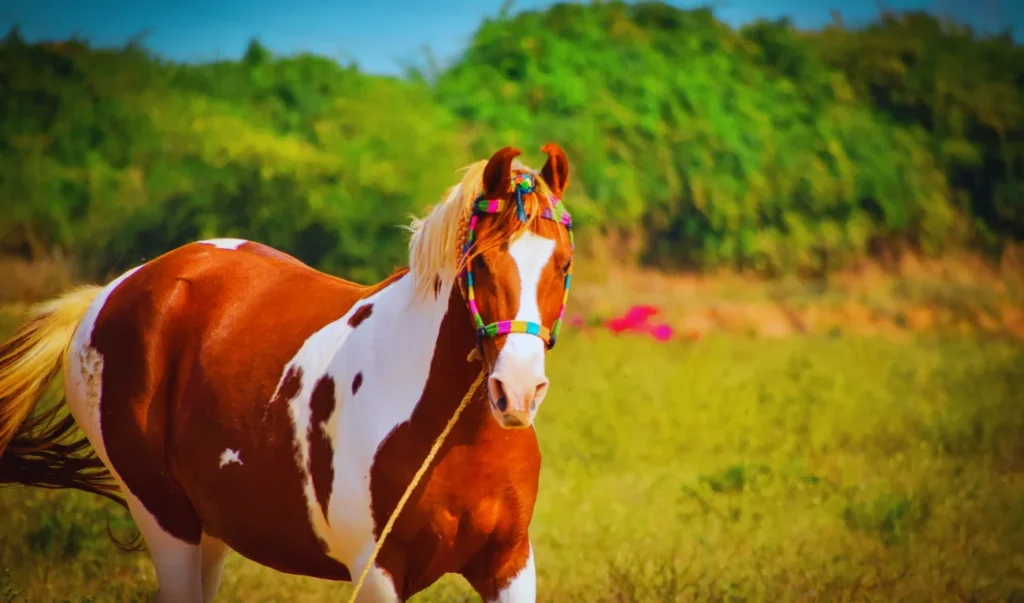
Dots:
(289, 386)
(194, 346)
(471, 512)
(321, 453)
(357, 382)
(362, 313)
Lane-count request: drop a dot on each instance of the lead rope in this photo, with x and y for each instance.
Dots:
(416, 478)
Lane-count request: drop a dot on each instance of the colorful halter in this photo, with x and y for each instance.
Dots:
(524, 184)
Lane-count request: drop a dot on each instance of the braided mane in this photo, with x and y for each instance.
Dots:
(437, 238)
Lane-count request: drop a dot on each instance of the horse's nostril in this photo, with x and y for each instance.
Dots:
(498, 396)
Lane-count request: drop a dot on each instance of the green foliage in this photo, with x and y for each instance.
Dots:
(966, 92)
(736, 148)
(298, 153)
(765, 148)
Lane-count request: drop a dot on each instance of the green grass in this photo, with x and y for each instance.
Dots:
(726, 469)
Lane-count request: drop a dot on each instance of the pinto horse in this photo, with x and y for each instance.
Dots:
(237, 398)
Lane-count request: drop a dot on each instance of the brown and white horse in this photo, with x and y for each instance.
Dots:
(239, 399)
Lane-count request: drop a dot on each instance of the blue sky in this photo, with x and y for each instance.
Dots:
(381, 35)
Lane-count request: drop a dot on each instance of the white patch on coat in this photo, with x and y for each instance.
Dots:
(229, 456)
(312, 359)
(393, 349)
(231, 244)
(318, 356)
(379, 585)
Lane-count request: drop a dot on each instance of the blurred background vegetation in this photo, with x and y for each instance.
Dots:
(694, 145)
(859, 188)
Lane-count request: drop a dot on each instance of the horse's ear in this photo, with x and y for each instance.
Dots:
(556, 170)
(498, 173)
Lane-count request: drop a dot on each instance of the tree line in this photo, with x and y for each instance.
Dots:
(765, 148)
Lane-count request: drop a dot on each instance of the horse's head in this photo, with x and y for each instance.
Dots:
(517, 253)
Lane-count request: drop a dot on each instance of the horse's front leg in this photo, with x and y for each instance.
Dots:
(379, 586)
(514, 580)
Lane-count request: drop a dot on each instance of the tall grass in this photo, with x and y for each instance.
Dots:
(807, 468)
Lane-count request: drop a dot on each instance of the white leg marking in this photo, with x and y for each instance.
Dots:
(177, 563)
(378, 587)
(522, 588)
(229, 456)
(231, 244)
(214, 552)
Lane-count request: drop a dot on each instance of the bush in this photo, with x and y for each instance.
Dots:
(766, 148)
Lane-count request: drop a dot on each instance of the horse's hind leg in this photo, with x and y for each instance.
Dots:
(178, 564)
(214, 553)
(142, 475)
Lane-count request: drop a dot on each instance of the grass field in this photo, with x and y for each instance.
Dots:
(731, 468)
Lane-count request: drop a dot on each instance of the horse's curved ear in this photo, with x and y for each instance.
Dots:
(556, 170)
(498, 173)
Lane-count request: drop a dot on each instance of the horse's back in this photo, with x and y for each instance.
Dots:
(194, 344)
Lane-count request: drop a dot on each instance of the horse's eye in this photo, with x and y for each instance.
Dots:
(567, 266)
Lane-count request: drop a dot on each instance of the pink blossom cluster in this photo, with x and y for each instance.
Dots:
(636, 320)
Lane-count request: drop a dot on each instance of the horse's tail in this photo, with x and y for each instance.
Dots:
(42, 449)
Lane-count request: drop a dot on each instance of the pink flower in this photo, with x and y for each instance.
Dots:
(661, 332)
(640, 314)
(618, 325)
(636, 320)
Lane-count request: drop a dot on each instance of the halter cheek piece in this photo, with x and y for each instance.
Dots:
(524, 184)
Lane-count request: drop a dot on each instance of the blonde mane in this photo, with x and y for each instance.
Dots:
(434, 247)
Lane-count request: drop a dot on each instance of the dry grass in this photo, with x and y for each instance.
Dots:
(810, 468)
(841, 464)
(952, 296)
(24, 281)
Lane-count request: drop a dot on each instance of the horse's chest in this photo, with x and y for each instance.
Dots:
(466, 505)
(448, 532)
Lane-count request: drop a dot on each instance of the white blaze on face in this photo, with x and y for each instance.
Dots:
(520, 364)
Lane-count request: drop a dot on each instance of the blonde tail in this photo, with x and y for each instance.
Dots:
(36, 450)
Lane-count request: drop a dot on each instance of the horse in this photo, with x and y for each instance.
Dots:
(232, 397)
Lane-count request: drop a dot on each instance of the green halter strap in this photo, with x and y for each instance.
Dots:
(524, 184)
